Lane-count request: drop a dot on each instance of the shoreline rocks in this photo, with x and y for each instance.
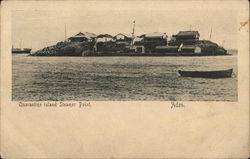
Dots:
(64, 49)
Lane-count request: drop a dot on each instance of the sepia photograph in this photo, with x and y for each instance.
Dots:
(124, 79)
(124, 54)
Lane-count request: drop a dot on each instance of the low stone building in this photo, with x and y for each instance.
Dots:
(151, 40)
(104, 38)
(123, 37)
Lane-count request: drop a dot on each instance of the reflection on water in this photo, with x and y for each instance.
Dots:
(120, 78)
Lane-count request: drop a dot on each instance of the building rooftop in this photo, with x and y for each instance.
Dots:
(188, 33)
(126, 35)
(84, 35)
(154, 35)
(104, 35)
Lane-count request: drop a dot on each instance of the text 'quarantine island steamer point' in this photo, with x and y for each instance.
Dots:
(184, 43)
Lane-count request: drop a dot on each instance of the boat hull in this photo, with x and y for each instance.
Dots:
(207, 74)
(21, 51)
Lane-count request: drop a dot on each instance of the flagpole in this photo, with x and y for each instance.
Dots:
(133, 34)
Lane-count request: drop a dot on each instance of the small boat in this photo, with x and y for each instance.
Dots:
(207, 74)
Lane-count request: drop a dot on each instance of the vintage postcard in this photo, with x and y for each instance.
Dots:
(125, 79)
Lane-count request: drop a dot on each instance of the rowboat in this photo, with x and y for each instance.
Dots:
(207, 74)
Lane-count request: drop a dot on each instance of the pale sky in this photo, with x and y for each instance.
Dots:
(39, 28)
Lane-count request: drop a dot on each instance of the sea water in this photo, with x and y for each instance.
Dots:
(120, 78)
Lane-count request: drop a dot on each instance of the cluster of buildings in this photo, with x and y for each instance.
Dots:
(182, 43)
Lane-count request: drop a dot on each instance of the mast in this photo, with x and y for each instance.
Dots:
(223, 43)
(133, 34)
(210, 33)
(21, 44)
(65, 35)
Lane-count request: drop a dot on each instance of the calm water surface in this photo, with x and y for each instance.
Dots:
(120, 78)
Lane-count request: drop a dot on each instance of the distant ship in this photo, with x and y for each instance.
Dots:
(19, 50)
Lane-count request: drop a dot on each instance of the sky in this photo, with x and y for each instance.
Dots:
(38, 28)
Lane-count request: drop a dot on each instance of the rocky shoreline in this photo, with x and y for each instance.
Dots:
(64, 49)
